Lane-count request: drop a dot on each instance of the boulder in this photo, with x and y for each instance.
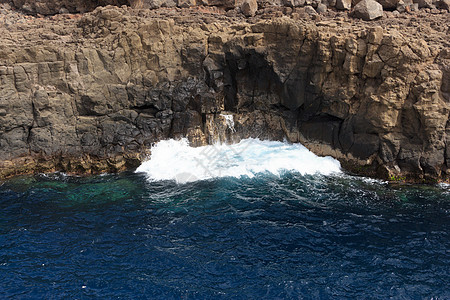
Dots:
(310, 10)
(368, 10)
(373, 67)
(294, 3)
(425, 4)
(321, 8)
(388, 4)
(344, 4)
(331, 3)
(249, 7)
(315, 3)
(375, 35)
(186, 3)
(443, 4)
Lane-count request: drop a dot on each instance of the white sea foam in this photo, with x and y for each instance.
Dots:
(229, 121)
(176, 160)
(444, 185)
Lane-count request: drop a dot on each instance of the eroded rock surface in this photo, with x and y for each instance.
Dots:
(91, 93)
(248, 8)
(47, 7)
(368, 10)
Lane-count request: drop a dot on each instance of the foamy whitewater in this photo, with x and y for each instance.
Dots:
(266, 237)
(176, 160)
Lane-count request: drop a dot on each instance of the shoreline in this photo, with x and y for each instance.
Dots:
(91, 92)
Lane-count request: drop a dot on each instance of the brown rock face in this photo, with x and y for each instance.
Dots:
(46, 7)
(248, 7)
(152, 4)
(51, 7)
(93, 94)
(344, 4)
(389, 4)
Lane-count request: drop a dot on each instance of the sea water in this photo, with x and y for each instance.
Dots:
(255, 220)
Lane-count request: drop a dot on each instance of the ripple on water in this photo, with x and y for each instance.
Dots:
(266, 236)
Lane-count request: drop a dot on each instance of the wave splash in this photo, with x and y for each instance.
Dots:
(176, 160)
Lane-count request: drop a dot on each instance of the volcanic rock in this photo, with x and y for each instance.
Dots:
(248, 7)
(368, 10)
(321, 8)
(46, 7)
(388, 4)
(90, 93)
(344, 4)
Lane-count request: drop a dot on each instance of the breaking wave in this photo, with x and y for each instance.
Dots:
(176, 160)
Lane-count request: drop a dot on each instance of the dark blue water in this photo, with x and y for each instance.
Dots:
(310, 237)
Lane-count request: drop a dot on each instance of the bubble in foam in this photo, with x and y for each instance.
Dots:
(176, 160)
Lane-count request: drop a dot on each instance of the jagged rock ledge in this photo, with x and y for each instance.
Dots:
(90, 93)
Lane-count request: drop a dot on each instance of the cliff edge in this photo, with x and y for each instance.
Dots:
(90, 93)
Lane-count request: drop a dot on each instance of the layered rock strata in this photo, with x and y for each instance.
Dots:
(91, 93)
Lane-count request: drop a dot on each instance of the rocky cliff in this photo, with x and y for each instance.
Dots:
(90, 93)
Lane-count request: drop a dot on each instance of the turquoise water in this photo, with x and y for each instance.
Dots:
(256, 220)
(266, 237)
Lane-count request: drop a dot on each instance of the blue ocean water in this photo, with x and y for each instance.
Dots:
(268, 236)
